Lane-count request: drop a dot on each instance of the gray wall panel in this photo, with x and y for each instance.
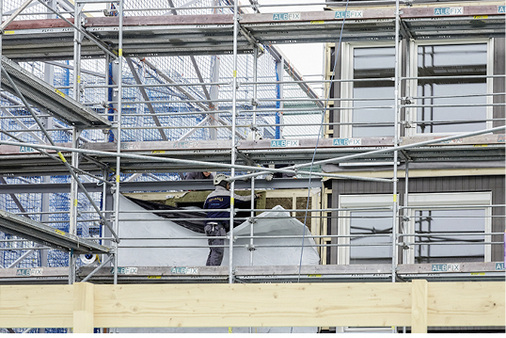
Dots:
(495, 184)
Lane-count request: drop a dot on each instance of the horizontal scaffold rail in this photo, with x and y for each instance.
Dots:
(213, 34)
(46, 235)
(156, 155)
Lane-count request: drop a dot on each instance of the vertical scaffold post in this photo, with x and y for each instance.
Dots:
(232, 145)
(253, 135)
(74, 188)
(279, 96)
(118, 137)
(395, 203)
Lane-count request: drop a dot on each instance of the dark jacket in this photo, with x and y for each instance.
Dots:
(197, 175)
(220, 199)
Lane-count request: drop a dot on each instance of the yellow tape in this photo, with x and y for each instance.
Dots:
(59, 232)
(158, 152)
(154, 277)
(64, 160)
(319, 22)
(229, 330)
(120, 52)
(117, 178)
(395, 197)
(59, 93)
(235, 73)
(232, 201)
(75, 202)
(78, 78)
(480, 145)
(9, 32)
(480, 17)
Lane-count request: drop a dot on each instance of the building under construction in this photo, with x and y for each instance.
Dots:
(380, 186)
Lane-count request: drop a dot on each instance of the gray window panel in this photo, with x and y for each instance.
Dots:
(444, 226)
(452, 55)
(450, 62)
(377, 120)
(373, 58)
(436, 119)
(378, 227)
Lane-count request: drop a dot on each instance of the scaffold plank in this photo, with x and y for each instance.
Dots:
(191, 34)
(44, 234)
(479, 271)
(43, 95)
(489, 147)
(314, 274)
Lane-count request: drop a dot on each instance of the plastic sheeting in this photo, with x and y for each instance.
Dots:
(162, 242)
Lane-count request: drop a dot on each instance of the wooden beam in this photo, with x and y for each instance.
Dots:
(419, 306)
(466, 304)
(84, 307)
(36, 306)
(243, 305)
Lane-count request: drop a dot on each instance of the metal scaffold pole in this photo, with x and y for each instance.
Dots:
(75, 136)
(118, 139)
(253, 137)
(395, 202)
(232, 145)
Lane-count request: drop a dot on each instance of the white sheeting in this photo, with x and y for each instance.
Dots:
(165, 249)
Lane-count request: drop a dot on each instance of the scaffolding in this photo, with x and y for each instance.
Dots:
(102, 100)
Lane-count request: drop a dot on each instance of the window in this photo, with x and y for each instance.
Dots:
(448, 227)
(435, 235)
(372, 242)
(446, 90)
(370, 111)
(450, 93)
(366, 234)
(438, 228)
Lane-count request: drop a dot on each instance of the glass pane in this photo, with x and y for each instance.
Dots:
(441, 228)
(374, 58)
(438, 117)
(377, 119)
(442, 90)
(374, 116)
(372, 243)
(452, 55)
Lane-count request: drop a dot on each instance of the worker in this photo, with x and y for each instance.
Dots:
(199, 175)
(218, 222)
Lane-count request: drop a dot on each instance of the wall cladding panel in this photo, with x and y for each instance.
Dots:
(495, 184)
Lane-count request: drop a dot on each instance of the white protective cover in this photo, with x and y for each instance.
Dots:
(170, 244)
